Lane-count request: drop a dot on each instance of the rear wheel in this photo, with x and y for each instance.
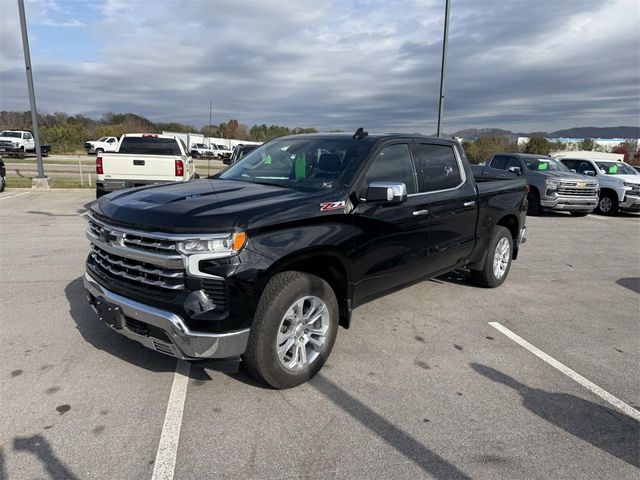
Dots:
(608, 204)
(293, 330)
(580, 214)
(533, 198)
(497, 261)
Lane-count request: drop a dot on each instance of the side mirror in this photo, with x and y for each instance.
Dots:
(516, 170)
(591, 173)
(387, 193)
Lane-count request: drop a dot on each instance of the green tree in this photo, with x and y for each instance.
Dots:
(586, 144)
(481, 149)
(538, 146)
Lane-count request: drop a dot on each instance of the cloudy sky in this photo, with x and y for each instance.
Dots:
(337, 64)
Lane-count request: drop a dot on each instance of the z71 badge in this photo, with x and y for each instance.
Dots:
(327, 206)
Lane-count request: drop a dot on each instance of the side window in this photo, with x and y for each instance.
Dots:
(28, 136)
(499, 162)
(585, 166)
(440, 168)
(111, 140)
(512, 162)
(393, 164)
(570, 164)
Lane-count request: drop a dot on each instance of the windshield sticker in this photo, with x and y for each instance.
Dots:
(613, 169)
(327, 206)
(543, 165)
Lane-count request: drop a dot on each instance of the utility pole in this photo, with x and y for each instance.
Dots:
(210, 107)
(32, 95)
(444, 61)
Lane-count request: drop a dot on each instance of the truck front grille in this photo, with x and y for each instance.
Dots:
(137, 241)
(576, 189)
(135, 272)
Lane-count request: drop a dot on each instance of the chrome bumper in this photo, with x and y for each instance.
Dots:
(183, 343)
(630, 202)
(584, 204)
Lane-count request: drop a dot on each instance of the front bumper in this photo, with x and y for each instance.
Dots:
(631, 203)
(573, 204)
(165, 331)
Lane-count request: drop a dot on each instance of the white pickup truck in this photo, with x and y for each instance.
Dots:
(143, 159)
(104, 144)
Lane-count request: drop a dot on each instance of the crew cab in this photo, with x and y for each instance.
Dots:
(19, 143)
(104, 144)
(267, 258)
(221, 151)
(143, 159)
(619, 183)
(552, 185)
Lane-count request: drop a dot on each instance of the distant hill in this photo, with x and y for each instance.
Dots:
(577, 132)
(598, 132)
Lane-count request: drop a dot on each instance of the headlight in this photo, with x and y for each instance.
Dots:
(219, 247)
(15, 144)
(552, 184)
(631, 186)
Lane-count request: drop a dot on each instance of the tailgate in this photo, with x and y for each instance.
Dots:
(142, 167)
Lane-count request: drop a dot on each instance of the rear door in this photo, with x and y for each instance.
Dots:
(391, 247)
(499, 166)
(452, 205)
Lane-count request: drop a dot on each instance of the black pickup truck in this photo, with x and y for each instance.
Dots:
(267, 258)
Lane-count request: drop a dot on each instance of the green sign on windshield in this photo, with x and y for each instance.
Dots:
(543, 165)
(613, 169)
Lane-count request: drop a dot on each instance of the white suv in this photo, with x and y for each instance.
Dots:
(619, 183)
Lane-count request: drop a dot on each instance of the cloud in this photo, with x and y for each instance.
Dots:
(338, 65)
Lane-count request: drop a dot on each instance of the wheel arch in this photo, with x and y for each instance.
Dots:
(327, 264)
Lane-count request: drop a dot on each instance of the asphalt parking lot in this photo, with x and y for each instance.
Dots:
(421, 386)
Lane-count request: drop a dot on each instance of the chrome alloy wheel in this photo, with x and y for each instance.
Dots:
(605, 204)
(501, 258)
(302, 333)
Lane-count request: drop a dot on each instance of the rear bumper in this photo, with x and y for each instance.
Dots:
(113, 185)
(574, 204)
(165, 331)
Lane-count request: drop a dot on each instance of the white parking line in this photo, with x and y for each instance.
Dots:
(606, 396)
(13, 196)
(168, 447)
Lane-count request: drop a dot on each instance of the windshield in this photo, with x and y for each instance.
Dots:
(545, 164)
(11, 134)
(221, 147)
(307, 164)
(199, 145)
(616, 168)
(103, 139)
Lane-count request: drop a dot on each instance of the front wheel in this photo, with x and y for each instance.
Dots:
(293, 331)
(533, 198)
(497, 261)
(608, 204)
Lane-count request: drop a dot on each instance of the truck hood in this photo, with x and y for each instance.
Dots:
(204, 206)
(567, 176)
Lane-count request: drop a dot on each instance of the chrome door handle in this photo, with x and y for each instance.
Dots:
(469, 204)
(418, 213)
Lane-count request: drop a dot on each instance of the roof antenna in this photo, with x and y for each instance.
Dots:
(360, 134)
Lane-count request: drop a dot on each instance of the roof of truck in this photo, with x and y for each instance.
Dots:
(370, 137)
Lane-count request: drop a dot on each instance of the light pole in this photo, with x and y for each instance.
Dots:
(444, 61)
(32, 95)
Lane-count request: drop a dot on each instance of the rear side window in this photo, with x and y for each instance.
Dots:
(499, 162)
(28, 136)
(150, 146)
(440, 168)
(393, 164)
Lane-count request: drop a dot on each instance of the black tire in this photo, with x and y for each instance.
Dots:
(196, 176)
(486, 277)
(608, 204)
(533, 198)
(282, 291)
(100, 192)
(579, 214)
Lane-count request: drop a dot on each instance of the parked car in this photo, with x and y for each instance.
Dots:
(143, 159)
(238, 153)
(222, 151)
(619, 183)
(3, 176)
(552, 185)
(19, 143)
(104, 144)
(268, 257)
(201, 150)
